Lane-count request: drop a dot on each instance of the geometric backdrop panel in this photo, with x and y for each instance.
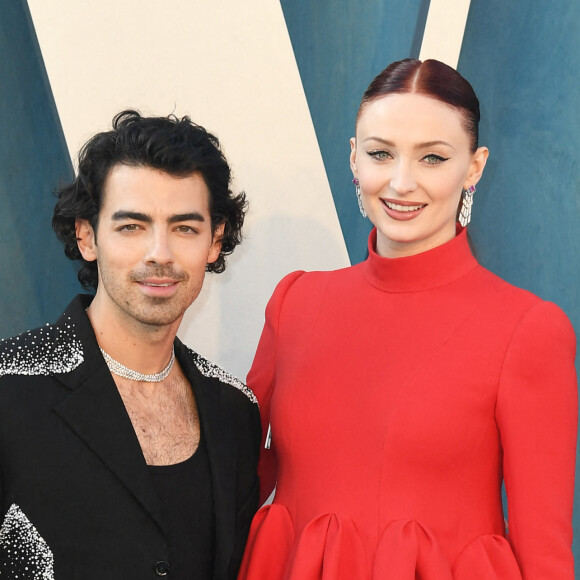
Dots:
(230, 66)
(339, 47)
(33, 159)
(524, 66)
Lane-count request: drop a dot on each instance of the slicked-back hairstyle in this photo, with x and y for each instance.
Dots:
(432, 79)
(176, 146)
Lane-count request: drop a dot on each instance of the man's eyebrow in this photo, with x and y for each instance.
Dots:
(186, 217)
(131, 215)
(143, 217)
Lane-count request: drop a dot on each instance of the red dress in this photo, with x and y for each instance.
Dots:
(401, 392)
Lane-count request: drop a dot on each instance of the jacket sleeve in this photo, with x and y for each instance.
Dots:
(262, 379)
(247, 481)
(537, 413)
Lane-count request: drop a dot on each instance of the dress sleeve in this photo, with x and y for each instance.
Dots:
(537, 414)
(262, 378)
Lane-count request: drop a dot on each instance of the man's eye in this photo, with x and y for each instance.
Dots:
(186, 230)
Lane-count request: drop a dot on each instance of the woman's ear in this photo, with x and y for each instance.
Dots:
(477, 166)
(353, 156)
(86, 240)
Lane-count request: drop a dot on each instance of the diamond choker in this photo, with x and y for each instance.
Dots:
(122, 371)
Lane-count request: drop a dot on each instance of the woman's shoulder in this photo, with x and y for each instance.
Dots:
(301, 289)
(499, 288)
(528, 310)
(308, 280)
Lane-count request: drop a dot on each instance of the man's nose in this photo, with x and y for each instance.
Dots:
(159, 248)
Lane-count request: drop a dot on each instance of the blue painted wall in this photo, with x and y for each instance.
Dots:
(340, 46)
(524, 67)
(37, 280)
(523, 61)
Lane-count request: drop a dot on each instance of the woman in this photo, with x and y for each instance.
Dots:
(401, 391)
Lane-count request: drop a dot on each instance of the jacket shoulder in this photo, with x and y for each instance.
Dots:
(47, 350)
(213, 371)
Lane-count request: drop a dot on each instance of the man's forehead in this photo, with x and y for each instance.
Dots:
(146, 190)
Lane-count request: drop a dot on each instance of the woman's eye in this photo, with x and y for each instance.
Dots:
(378, 154)
(433, 159)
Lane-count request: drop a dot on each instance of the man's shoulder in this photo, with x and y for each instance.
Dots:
(47, 350)
(213, 371)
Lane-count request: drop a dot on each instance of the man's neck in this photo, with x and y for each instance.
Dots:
(141, 347)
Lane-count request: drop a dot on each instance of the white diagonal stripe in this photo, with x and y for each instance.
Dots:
(444, 30)
(230, 66)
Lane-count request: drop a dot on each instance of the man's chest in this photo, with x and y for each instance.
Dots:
(165, 419)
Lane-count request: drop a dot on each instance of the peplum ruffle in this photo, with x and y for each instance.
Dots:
(330, 548)
(487, 557)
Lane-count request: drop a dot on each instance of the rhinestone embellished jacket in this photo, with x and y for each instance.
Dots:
(76, 501)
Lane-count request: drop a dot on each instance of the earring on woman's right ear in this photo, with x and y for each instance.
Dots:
(359, 197)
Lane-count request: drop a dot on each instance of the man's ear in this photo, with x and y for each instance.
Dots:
(216, 245)
(86, 240)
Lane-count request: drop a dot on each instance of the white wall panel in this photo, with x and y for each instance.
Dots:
(444, 30)
(230, 66)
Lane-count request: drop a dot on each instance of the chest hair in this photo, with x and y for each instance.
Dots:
(164, 416)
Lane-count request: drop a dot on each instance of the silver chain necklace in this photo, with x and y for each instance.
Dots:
(122, 371)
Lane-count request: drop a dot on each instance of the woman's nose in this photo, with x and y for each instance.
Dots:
(403, 179)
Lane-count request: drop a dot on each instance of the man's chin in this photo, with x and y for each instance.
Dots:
(160, 321)
(159, 317)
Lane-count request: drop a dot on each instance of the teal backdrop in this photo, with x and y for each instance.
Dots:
(339, 47)
(37, 281)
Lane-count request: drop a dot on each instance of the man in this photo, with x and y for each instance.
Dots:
(123, 454)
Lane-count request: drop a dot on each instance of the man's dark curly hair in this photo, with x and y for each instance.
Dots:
(175, 146)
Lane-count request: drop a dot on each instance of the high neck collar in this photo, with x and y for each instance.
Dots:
(429, 269)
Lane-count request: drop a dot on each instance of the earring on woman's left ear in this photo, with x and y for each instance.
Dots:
(466, 205)
(359, 197)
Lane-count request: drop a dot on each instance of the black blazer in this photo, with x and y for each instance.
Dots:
(76, 500)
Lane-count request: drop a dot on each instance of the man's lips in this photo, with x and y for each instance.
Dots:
(158, 287)
(158, 284)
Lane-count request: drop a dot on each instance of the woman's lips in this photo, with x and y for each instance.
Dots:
(402, 210)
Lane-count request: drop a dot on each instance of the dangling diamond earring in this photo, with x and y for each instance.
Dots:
(466, 204)
(359, 197)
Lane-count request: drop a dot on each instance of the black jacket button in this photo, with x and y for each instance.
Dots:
(161, 568)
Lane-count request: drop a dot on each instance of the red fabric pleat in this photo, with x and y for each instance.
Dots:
(329, 548)
(407, 551)
(487, 558)
(269, 543)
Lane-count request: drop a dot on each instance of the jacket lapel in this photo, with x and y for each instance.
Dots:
(221, 445)
(95, 411)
